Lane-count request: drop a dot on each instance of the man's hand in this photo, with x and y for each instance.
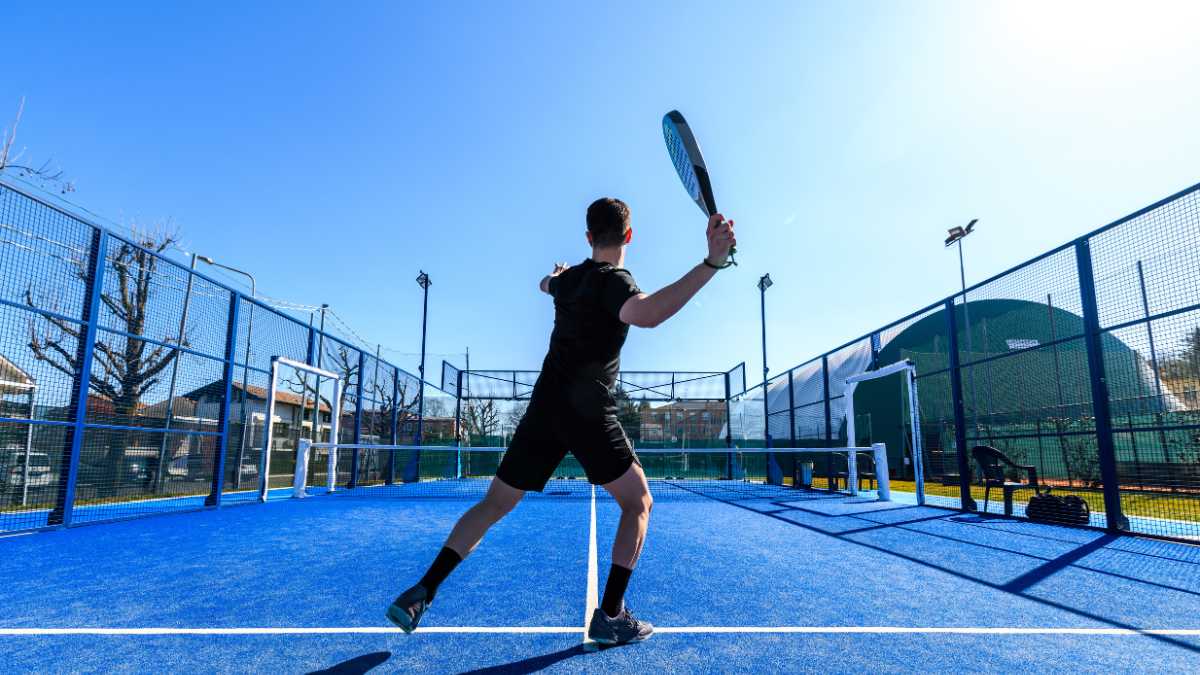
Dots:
(559, 268)
(720, 239)
(648, 311)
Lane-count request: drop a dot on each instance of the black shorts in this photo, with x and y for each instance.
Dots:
(547, 433)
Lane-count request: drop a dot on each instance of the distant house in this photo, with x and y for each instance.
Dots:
(292, 410)
(17, 391)
(17, 400)
(682, 422)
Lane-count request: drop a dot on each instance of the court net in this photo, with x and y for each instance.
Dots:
(437, 471)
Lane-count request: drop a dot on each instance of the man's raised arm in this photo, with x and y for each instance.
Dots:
(648, 311)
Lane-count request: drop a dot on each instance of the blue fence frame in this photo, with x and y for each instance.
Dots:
(42, 253)
(1164, 233)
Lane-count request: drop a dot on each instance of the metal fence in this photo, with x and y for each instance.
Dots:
(1083, 362)
(658, 409)
(132, 385)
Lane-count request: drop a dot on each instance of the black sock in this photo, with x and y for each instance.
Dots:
(614, 590)
(445, 562)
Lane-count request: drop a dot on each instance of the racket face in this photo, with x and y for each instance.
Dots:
(689, 163)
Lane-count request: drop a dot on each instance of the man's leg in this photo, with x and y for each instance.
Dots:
(501, 498)
(470, 528)
(633, 496)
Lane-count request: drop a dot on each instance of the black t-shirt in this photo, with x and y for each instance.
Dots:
(585, 347)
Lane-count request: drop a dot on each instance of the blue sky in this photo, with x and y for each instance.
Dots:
(334, 149)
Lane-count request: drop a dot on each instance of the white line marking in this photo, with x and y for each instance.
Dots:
(542, 630)
(593, 576)
(337, 630)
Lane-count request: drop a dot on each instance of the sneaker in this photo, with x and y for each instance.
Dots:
(619, 630)
(406, 610)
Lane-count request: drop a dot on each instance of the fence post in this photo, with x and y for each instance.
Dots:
(791, 407)
(831, 484)
(1114, 518)
(218, 481)
(828, 407)
(68, 472)
(358, 414)
(390, 477)
(960, 416)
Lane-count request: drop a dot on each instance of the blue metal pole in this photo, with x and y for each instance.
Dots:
(218, 481)
(424, 281)
(1114, 518)
(68, 475)
(766, 408)
(960, 416)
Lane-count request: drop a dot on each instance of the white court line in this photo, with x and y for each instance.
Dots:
(593, 576)
(678, 630)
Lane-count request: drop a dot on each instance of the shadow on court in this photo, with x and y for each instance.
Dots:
(1088, 599)
(357, 665)
(535, 664)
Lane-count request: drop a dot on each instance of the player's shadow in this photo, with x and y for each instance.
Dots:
(531, 664)
(357, 665)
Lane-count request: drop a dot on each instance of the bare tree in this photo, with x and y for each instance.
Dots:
(481, 418)
(45, 174)
(516, 413)
(125, 369)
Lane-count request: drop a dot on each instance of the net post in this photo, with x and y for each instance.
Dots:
(914, 413)
(882, 476)
(300, 481)
(334, 423)
(269, 432)
(852, 471)
(331, 470)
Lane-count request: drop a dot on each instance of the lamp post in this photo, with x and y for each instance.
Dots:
(237, 477)
(764, 283)
(956, 236)
(424, 283)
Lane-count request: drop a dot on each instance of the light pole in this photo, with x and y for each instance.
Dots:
(956, 236)
(237, 477)
(424, 283)
(763, 284)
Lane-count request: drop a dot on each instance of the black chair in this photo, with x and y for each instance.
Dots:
(994, 464)
(866, 472)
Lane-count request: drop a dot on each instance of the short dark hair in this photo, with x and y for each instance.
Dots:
(608, 220)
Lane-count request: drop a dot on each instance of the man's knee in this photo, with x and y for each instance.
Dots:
(499, 506)
(639, 505)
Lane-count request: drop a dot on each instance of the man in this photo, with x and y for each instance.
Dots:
(572, 410)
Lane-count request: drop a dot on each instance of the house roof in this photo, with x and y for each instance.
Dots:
(13, 379)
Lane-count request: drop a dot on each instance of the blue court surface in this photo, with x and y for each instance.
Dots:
(787, 581)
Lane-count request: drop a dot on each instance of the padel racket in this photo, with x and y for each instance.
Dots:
(689, 164)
